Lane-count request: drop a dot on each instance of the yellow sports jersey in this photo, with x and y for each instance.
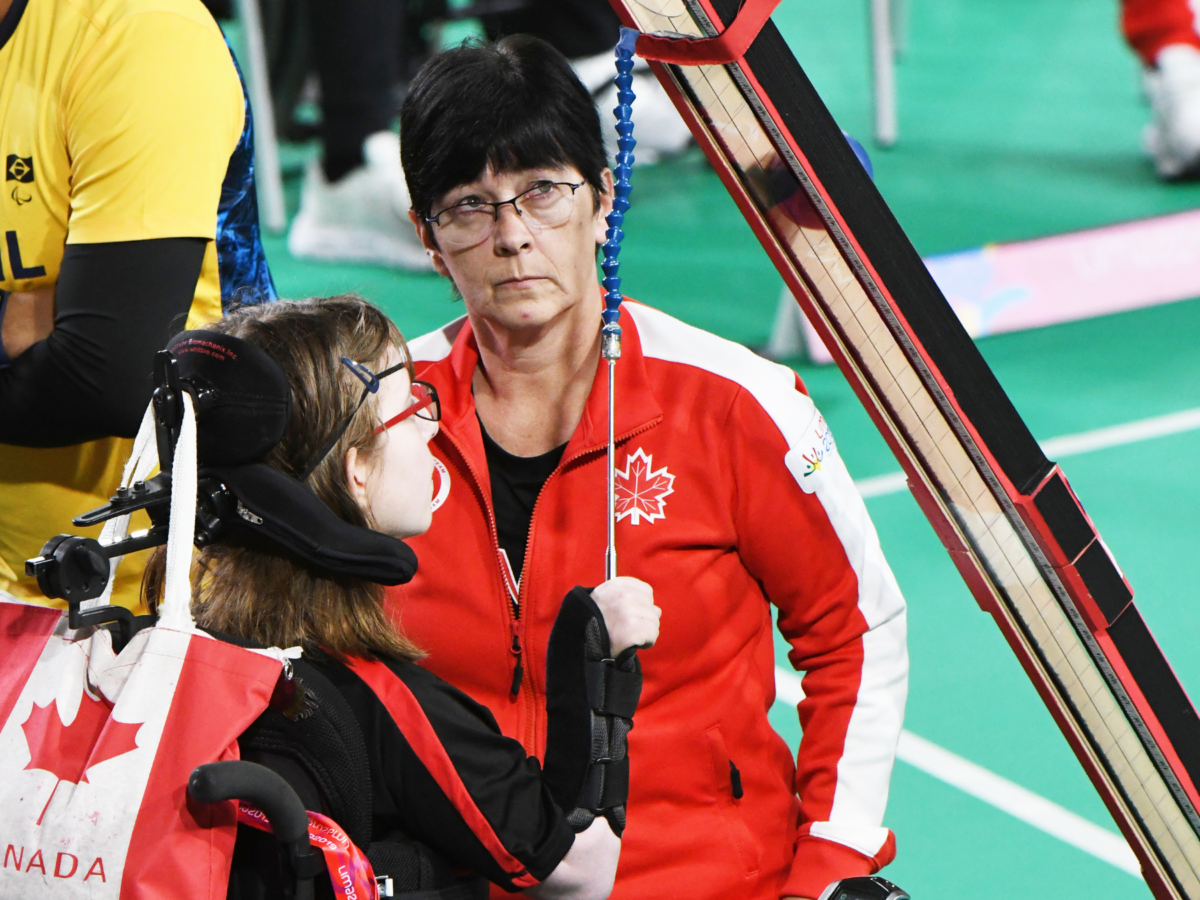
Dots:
(117, 121)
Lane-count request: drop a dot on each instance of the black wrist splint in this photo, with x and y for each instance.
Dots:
(590, 701)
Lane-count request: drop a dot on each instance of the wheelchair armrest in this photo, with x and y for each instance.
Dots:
(258, 785)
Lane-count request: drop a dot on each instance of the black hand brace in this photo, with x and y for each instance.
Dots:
(590, 701)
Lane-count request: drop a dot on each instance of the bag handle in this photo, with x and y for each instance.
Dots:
(142, 461)
(176, 608)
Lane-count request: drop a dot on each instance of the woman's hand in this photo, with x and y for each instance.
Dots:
(587, 871)
(629, 613)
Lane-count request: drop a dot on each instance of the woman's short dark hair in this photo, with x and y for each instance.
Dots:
(512, 105)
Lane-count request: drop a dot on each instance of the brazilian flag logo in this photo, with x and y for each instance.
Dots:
(19, 169)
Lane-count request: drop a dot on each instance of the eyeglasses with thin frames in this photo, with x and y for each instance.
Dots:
(470, 221)
(425, 405)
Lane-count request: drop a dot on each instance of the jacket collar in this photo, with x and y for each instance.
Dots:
(636, 406)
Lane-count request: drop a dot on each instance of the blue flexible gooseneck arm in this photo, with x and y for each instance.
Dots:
(610, 344)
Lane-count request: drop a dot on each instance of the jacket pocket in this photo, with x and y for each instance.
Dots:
(728, 791)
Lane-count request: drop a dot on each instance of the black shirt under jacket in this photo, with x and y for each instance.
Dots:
(516, 482)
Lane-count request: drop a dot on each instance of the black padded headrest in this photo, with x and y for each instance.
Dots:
(243, 404)
(242, 397)
(277, 508)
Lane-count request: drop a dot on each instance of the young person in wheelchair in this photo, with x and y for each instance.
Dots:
(416, 772)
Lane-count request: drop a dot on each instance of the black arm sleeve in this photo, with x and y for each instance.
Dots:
(502, 783)
(116, 304)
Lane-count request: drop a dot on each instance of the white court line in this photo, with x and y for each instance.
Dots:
(1129, 433)
(1005, 795)
(877, 486)
(1067, 445)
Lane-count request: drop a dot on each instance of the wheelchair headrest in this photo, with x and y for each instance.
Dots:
(243, 400)
(243, 404)
(277, 509)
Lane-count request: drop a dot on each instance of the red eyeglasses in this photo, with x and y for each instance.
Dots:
(424, 398)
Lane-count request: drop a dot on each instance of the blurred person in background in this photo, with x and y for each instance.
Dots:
(1165, 36)
(585, 32)
(354, 202)
(128, 210)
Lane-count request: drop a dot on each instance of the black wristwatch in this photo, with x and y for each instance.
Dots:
(871, 887)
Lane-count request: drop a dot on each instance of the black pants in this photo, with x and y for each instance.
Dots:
(575, 27)
(355, 49)
(360, 46)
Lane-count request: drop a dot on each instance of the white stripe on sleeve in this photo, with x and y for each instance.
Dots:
(865, 767)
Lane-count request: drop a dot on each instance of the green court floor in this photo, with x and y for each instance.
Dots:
(967, 691)
(1018, 118)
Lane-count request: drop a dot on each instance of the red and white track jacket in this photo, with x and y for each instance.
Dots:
(732, 498)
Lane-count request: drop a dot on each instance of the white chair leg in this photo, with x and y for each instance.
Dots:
(268, 175)
(883, 58)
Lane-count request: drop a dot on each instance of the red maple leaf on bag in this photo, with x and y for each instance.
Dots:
(68, 751)
(641, 490)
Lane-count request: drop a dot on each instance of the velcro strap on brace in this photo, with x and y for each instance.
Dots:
(610, 690)
(607, 784)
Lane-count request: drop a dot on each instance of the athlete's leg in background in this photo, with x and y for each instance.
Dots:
(1151, 25)
(354, 205)
(585, 32)
(354, 46)
(1164, 34)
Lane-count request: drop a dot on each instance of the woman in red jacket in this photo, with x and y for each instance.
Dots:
(731, 499)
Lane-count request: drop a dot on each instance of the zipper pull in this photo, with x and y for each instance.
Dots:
(735, 781)
(518, 674)
(519, 671)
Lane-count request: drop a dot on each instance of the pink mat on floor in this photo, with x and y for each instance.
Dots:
(1028, 284)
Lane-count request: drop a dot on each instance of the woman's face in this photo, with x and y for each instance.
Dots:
(522, 276)
(393, 481)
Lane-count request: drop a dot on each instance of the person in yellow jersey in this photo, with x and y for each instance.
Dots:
(127, 213)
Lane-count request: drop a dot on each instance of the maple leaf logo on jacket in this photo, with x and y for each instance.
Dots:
(68, 751)
(640, 489)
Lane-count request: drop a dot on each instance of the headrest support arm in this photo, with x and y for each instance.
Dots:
(168, 408)
(243, 405)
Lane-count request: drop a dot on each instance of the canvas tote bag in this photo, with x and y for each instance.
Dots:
(96, 746)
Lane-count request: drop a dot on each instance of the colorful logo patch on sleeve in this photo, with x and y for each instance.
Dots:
(641, 489)
(808, 461)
